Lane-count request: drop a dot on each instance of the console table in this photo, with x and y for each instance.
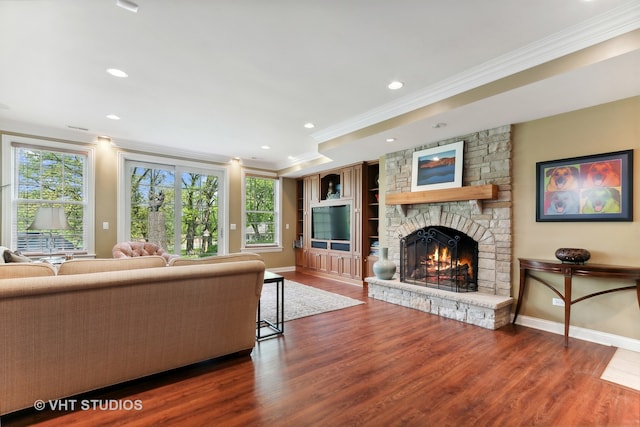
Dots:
(568, 271)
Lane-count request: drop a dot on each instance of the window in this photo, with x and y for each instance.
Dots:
(177, 206)
(39, 175)
(261, 207)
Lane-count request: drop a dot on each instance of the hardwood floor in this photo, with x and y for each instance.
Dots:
(377, 364)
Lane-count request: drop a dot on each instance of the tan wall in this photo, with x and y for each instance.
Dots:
(106, 197)
(286, 258)
(235, 206)
(605, 128)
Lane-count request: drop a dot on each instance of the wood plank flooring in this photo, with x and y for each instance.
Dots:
(377, 364)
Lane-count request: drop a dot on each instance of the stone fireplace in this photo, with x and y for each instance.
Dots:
(486, 301)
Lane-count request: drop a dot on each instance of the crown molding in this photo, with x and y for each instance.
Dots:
(76, 136)
(616, 22)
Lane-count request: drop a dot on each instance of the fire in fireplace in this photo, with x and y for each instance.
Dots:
(439, 257)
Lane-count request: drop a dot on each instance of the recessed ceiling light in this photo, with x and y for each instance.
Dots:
(390, 139)
(117, 73)
(127, 5)
(395, 85)
(265, 147)
(103, 138)
(113, 117)
(309, 125)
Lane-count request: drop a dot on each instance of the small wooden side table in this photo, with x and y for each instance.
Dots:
(276, 328)
(569, 271)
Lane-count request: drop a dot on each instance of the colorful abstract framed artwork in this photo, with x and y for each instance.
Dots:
(588, 188)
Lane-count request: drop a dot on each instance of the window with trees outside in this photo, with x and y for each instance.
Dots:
(47, 175)
(174, 206)
(261, 204)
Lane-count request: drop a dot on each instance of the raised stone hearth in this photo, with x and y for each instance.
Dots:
(480, 309)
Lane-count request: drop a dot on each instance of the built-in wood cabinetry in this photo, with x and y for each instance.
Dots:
(371, 231)
(334, 227)
(299, 213)
(300, 207)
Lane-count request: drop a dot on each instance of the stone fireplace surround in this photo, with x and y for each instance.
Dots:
(487, 160)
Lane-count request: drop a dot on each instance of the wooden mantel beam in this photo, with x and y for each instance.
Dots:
(475, 192)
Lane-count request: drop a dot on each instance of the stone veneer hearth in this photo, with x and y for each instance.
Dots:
(487, 160)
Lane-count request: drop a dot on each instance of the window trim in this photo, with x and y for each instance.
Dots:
(123, 192)
(8, 187)
(261, 247)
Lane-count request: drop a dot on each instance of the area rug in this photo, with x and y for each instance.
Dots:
(301, 301)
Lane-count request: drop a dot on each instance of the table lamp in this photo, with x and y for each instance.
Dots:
(49, 219)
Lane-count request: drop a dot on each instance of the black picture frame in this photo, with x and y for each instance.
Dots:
(598, 187)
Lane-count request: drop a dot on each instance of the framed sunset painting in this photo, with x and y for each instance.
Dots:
(436, 168)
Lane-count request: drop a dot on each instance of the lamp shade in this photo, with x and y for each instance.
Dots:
(49, 219)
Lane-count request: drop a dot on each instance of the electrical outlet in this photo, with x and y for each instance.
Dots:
(557, 301)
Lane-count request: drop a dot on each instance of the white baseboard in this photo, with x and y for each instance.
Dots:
(577, 332)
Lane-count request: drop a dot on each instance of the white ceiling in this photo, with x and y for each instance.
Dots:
(219, 79)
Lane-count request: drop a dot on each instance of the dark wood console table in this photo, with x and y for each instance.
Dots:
(568, 271)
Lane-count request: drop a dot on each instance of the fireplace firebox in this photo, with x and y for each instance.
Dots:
(439, 257)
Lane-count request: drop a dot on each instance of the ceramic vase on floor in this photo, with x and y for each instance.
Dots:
(384, 268)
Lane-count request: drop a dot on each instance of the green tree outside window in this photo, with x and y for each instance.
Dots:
(260, 211)
(50, 178)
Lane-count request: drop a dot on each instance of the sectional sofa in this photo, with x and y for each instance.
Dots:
(94, 323)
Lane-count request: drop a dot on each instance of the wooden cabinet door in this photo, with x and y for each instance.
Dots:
(318, 260)
(356, 224)
(300, 255)
(335, 263)
(347, 183)
(341, 264)
(311, 192)
(313, 260)
(356, 267)
(323, 262)
(312, 188)
(346, 266)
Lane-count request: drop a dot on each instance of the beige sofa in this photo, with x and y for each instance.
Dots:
(95, 323)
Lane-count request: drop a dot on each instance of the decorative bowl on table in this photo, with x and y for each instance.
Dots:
(574, 255)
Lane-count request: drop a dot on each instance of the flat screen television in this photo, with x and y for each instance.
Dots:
(331, 222)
